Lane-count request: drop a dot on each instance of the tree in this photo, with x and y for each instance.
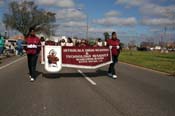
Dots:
(25, 15)
(106, 35)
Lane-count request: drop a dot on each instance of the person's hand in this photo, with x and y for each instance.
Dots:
(110, 47)
(118, 47)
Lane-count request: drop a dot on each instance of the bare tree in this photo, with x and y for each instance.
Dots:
(25, 15)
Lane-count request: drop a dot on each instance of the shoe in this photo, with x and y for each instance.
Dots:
(109, 74)
(32, 79)
(114, 76)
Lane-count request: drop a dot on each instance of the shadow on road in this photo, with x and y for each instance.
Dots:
(98, 73)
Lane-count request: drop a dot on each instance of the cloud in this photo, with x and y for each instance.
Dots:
(112, 13)
(70, 14)
(149, 7)
(154, 13)
(101, 30)
(115, 21)
(157, 10)
(60, 3)
(74, 24)
(130, 3)
(157, 21)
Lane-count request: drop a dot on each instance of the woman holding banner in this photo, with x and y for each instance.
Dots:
(114, 44)
(32, 49)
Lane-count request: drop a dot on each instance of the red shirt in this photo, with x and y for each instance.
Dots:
(32, 45)
(114, 43)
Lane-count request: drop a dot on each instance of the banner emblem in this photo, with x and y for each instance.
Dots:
(53, 58)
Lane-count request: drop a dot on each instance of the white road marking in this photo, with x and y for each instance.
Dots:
(87, 78)
(2, 67)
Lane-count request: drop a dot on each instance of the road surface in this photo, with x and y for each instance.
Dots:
(77, 92)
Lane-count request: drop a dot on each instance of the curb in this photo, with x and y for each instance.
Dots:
(144, 68)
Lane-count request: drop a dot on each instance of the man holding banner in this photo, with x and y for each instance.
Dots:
(114, 44)
(32, 49)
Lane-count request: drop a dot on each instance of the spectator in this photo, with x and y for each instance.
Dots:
(62, 42)
(7, 44)
(99, 42)
(2, 43)
(105, 42)
(19, 45)
(42, 39)
(77, 42)
(83, 43)
(69, 42)
(12, 47)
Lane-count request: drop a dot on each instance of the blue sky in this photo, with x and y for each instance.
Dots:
(137, 20)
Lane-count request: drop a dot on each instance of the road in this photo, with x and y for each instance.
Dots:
(137, 92)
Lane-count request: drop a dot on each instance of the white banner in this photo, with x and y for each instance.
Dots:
(53, 58)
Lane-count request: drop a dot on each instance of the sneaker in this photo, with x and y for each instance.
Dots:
(32, 79)
(114, 76)
(109, 74)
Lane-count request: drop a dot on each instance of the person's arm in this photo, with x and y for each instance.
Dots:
(109, 44)
(39, 46)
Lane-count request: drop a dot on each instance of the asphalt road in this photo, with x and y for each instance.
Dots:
(136, 92)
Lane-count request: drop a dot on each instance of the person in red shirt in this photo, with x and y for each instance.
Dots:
(32, 49)
(114, 44)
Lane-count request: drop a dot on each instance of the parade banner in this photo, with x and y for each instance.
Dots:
(53, 58)
(86, 57)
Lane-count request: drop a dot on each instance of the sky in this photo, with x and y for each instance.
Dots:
(133, 20)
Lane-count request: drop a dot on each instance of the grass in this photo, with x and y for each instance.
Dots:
(153, 60)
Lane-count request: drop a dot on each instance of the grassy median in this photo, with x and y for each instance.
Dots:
(153, 60)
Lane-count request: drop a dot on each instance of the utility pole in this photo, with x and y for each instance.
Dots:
(165, 38)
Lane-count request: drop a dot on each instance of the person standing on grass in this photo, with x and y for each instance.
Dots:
(2, 43)
(32, 49)
(114, 44)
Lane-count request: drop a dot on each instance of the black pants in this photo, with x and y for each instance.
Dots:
(112, 65)
(32, 62)
(20, 51)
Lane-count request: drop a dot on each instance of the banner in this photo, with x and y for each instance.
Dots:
(53, 58)
(86, 57)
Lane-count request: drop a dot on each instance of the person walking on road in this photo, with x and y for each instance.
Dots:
(19, 43)
(114, 44)
(2, 44)
(32, 49)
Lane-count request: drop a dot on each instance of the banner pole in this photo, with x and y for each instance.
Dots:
(42, 52)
